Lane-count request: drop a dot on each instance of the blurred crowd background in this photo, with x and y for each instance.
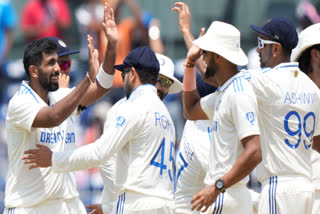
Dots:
(24, 20)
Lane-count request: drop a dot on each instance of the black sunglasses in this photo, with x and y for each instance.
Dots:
(127, 70)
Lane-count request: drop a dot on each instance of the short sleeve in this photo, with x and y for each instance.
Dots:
(22, 111)
(244, 111)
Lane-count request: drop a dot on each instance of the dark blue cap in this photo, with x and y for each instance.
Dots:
(141, 58)
(281, 30)
(63, 49)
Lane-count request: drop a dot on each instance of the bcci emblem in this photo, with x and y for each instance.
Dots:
(250, 117)
(120, 121)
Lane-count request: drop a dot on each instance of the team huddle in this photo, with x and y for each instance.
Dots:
(266, 119)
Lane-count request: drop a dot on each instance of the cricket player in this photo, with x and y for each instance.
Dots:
(36, 116)
(167, 84)
(140, 131)
(232, 109)
(288, 104)
(192, 157)
(307, 54)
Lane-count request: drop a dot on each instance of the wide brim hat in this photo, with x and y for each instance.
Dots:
(223, 39)
(307, 38)
(167, 70)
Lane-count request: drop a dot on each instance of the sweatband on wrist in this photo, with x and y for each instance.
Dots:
(189, 79)
(104, 79)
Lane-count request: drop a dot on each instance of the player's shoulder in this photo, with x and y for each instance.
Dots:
(237, 85)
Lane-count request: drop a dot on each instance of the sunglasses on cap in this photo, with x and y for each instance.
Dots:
(65, 64)
(164, 81)
(126, 70)
(261, 42)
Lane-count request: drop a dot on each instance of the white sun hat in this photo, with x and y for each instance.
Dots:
(167, 70)
(307, 38)
(223, 39)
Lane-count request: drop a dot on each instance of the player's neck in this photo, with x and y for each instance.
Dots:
(42, 93)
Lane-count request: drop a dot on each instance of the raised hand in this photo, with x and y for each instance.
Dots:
(40, 157)
(93, 59)
(184, 17)
(109, 25)
(195, 52)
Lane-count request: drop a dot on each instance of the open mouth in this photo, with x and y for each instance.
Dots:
(55, 78)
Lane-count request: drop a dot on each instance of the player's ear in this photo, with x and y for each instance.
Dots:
(315, 55)
(133, 74)
(33, 71)
(276, 49)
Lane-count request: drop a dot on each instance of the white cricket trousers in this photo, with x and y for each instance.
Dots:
(286, 194)
(136, 203)
(236, 199)
(59, 206)
(316, 202)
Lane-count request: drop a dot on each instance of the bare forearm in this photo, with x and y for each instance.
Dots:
(109, 59)
(316, 143)
(247, 161)
(56, 114)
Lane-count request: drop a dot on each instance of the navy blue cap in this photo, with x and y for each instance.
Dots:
(141, 58)
(63, 49)
(281, 30)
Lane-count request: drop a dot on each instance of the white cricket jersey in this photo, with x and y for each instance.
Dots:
(142, 134)
(233, 112)
(24, 187)
(109, 196)
(288, 103)
(192, 162)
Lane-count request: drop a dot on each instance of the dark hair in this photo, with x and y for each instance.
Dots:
(33, 52)
(286, 52)
(147, 76)
(305, 59)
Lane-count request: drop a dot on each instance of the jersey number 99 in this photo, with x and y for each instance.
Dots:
(302, 128)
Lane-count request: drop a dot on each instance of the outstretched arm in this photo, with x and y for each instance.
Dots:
(105, 73)
(185, 28)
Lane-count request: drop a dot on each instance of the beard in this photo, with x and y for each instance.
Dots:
(45, 81)
(127, 89)
(211, 71)
(161, 94)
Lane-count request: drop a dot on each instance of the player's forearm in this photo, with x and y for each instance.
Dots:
(85, 157)
(56, 114)
(110, 58)
(190, 97)
(316, 143)
(248, 160)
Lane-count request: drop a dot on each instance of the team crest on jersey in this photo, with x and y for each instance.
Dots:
(250, 117)
(120, 121)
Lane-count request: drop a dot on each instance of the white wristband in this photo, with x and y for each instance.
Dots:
(104, 79)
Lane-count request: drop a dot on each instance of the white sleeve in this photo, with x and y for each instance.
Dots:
(118, 132)
(108, 172)
(22, 111)
(207, 105)
(244, 111)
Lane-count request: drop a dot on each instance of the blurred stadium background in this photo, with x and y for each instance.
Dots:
(239, 13)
